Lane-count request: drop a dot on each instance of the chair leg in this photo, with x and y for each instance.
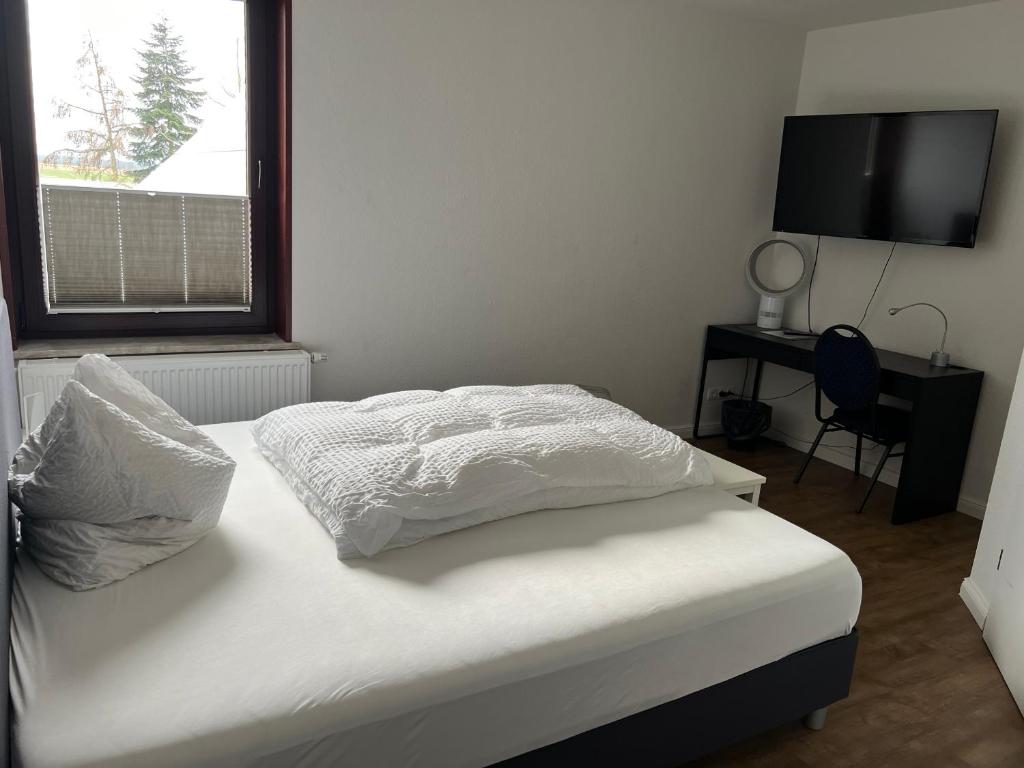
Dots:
(810, 453)
(856, 459)
(874, 477)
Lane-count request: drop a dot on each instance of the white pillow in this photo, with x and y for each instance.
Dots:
(114, 480)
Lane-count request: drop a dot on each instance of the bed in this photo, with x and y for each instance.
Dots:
(642, 633)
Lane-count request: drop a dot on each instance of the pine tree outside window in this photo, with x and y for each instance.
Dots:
(167, 99)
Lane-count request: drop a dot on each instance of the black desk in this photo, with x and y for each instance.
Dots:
(943, 404)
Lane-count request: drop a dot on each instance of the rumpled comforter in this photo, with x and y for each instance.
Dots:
(394, 469)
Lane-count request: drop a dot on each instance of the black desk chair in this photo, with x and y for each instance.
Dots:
(846, 369)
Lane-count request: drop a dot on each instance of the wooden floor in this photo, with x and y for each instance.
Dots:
(925, 691)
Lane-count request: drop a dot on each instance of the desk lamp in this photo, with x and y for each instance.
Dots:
(940, 357)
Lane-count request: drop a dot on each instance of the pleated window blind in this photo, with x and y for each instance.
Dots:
(122, 251)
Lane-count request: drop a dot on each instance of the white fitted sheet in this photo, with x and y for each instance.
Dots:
(258, 647)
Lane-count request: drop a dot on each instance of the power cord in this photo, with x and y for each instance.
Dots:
(810, 284)
(874, 292)
(871, 443)
(743, 390)
(801, 388)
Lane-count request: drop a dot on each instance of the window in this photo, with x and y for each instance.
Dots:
(146, 183)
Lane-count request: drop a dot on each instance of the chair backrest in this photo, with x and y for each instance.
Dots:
(846, 368)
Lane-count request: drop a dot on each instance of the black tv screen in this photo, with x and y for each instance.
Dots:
(910, 177)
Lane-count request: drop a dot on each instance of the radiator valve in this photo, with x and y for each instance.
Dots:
(317, 357)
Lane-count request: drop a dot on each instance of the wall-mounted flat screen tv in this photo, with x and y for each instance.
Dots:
(909, 177)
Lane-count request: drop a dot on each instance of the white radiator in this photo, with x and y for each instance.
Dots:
(205, 388)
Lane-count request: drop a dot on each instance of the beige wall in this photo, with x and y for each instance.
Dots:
(967, 58)
(537, 190)
(1002, 527)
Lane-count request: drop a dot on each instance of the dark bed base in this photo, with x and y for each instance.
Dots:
(674, 733)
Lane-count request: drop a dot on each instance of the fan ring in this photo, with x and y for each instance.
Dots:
(780, 293)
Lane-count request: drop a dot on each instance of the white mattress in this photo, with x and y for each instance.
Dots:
(258, 647)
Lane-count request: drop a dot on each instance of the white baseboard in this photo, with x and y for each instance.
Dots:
(685, 431)
(890, 474)
(975, 601)
(971, 508)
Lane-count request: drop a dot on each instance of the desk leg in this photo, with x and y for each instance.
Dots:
(756, 391)
(700, 393)
(940, 433)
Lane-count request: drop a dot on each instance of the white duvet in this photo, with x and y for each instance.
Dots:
(394, 469)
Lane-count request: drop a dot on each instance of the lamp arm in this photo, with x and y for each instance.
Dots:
(945, 320)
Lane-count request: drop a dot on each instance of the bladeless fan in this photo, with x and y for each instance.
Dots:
(773, 300)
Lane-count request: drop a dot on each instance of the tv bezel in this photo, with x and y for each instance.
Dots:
(916, 241)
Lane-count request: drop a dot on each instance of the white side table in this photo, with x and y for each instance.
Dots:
(734, 479)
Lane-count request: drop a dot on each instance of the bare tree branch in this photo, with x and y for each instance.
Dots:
(106, 141)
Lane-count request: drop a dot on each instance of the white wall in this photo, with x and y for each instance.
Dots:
(1004, 507)
(533, 190)
(966, 58)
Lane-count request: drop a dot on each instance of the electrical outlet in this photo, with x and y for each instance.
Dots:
(719, 393)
